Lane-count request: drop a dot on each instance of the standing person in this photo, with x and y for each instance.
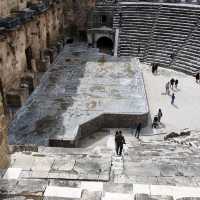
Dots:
(172, 83)
(197, 77)
(156, 68)
(138, 129)
(173, 98)
(116, 134)
(153, 68)
(159, 114)
(120, 141)
(176, 83)
(167, 88)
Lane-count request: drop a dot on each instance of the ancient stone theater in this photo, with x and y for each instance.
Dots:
(99, 99)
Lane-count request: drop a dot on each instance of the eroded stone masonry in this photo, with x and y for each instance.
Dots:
(32, 33)
(4, 155)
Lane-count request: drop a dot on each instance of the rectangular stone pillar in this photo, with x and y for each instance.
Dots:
(116, 42)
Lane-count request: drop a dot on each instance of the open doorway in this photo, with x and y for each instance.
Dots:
(27, 82)
(29, 57)
(105, 45)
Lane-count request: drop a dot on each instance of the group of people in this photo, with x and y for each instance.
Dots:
(173, 83)
(157, 119)
(120, 140)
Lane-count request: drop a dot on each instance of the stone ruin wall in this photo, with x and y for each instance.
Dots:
(13, 62)
(4, 151)
(76, 15)
(7, 6)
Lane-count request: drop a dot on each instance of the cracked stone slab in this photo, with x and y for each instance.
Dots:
(23, 188)
(63, 165)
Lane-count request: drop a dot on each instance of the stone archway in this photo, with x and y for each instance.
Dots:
(105, 45)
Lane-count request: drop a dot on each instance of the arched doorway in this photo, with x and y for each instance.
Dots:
(105, 45)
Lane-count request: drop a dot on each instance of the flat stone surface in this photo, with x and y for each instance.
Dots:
(12, 173)
(148, 197)
(92, 186)
(141, 189)
(42, 164)
(115, 188)
(65, 183)
(22, 187)
(67, 192)
(88, 195)
(117, 196)
(73, 97)
(63, 165)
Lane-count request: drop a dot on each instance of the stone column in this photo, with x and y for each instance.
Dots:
(4, 152)
(116, 42)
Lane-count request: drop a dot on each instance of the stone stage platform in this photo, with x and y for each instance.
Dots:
(82, 92)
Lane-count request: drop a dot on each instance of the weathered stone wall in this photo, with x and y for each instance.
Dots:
(44, 28)
(7, 6)
(4, 11)
(76, 15)
(4, 155)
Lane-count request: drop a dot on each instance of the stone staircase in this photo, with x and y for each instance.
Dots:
(151, 168)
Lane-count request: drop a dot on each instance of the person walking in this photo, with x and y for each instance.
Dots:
(172, 83)
(197, 77)
(159, 114)
(119, 141)
(167, 88)
(173, 98)
(138, 129)
(176, 83)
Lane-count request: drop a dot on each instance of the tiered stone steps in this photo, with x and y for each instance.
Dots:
(137, 22)
(157, 31)
(171, 31)
(151, 168)
(187, 59)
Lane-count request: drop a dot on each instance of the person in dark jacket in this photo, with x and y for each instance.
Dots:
(176, 83)
(159, 114)
(197, 77)
(138, 129)
(172, 81)
(119, 141)
(173, 98)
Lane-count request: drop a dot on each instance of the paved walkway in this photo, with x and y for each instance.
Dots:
(185, 113)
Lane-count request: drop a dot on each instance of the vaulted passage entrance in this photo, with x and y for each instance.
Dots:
(105, 45)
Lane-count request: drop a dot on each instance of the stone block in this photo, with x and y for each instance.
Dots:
(88, 195)
(115, 188)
